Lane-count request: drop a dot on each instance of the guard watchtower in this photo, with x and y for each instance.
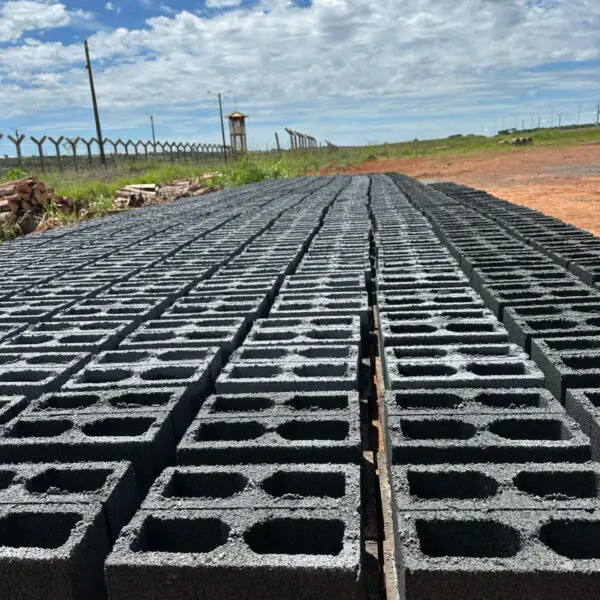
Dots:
(237, 132)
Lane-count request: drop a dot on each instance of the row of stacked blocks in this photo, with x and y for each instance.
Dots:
(182, 406)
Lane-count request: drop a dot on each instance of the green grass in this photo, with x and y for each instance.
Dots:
(96, 189)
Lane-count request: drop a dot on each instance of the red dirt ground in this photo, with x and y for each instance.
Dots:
(564, 183)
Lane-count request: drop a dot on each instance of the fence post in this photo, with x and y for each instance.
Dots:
(145, 144)
(57, 144)
(17, 142)
(73, 143)
(115, 146)
(88, 146)
(39, 144)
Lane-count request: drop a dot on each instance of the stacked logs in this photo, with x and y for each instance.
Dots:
(30, 194)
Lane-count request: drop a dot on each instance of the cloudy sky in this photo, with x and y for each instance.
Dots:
(352, 71)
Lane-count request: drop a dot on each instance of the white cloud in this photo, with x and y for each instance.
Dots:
(222, 3)
(19, 16)
(112, 7)
(345, 59)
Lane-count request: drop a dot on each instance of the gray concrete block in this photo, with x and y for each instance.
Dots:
(315, 439)
(185, 332)
(110, 485)
(501, 295)
(34, 311)
(214, 306)
(470, 401)
(529, 555)
(316, 486)
(273, 404)
(112, 309)
(584, 406)
(290, 369)
(505, 486)
(180, 402)
(487, 438)
(53, 551)
(328, 282)
(392, 282)
(485, 365)
(147, 441)
(308, 330)
(237, 554)
(32, 374)
(68, 336)
(568, 362)
(443, 327)
(11, 406)
(8, 330)
(428, 300)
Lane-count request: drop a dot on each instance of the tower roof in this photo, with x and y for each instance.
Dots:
(237, 115)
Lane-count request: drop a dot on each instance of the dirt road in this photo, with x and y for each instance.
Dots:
(564, 183)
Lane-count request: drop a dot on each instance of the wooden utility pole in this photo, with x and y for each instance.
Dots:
(218, 94)
(597, 115)
(95, 103)
(153, 132)
(277, 144)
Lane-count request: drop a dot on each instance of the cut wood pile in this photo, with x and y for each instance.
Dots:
(30, 194)
(132, 196)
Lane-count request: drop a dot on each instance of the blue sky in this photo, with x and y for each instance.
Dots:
(352, 71)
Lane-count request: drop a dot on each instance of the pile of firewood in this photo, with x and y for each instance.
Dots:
(30, 194)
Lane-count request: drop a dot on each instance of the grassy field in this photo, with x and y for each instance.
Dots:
(97, 188)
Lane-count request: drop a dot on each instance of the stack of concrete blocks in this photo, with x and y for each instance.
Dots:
(77, 385)
(268, 480)
(525, 529)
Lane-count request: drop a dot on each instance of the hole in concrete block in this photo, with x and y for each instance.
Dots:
(124, 357)
(308, 402)
(9, 358)
(263, 353)
(412, 316)
(570, 293)
(551, 324)
(529, 429)
(211, 334)
(205, 485)
(427, 400)
(558, 485)
(270, 323)
(274, 335)
(489, 369)
(305, 484)
(593, 397)
(438, 429)
(408, 329)
(574, 344)
(108, 376)
(296, 536)
(491, 350)
(6, 478)
(473, 539)
(242, 403)
(451, 484)
(295, 306)
(509, 400)
(71, 481)
(253, 372)
(469, 327)
(575, 539)
(118, 427)
(183, 355)
(582, 362)
(167, 373)
(23, 376)
(453, 299)
(325, 352)
(37, 530)
(48, 359)
(39, 428)
(140, 399)
(531, 311)
(321, 370)
(152, 337)
(67, 402)
(224, 430)
(314, 430)
(425, 370)
(328, 334)
(419, 352)
(182, 535)
(81, 339)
